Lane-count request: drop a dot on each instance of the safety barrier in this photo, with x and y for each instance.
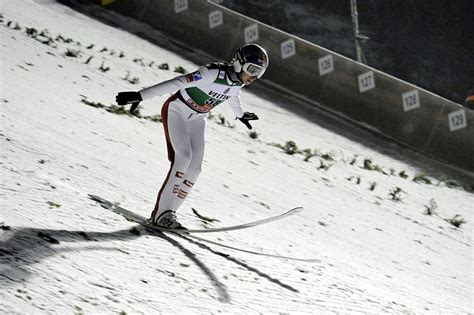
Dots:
(404, 112)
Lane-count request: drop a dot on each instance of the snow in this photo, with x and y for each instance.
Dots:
(374, 254)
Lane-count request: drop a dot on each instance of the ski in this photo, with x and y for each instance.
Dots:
(131, 216)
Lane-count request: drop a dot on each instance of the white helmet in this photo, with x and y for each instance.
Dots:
(251, 59)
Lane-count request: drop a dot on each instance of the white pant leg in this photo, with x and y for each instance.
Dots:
(196, 133)
(179, 153)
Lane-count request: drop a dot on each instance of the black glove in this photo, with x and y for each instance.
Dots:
(124, 98)
(246, 117)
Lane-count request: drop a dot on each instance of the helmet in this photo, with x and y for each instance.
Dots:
(251, 59)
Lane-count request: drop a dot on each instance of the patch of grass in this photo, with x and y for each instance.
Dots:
(372, 186)
(456, 221)
(103, 68)
(327, 156)
(60, 38)
(289, 147)
(451, 183)
(210, 116)
(403, 175)
(395, 193)
(42, 37)
(31, 32)
(120, 110)
(308, 154)
(263, 204)
(323, 165)
(53, 204)
(431, 208)
(17, 26)
(93, 104)
(164, 66)
(421, 178)
(88, 60)
(139, 61)
(357, 179)
(180, 70)
(204, 219)
(154, 118)
(369, 165)
(72, 53)
(223, 121)
(114, 109)
(133, 80)
(253, 134)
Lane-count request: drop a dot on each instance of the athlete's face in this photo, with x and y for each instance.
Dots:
(247, 79)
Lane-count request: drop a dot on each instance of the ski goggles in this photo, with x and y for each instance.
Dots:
(253, 70)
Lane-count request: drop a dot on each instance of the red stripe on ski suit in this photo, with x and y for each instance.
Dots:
(164, 117)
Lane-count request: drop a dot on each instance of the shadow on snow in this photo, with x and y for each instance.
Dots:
(29, 246)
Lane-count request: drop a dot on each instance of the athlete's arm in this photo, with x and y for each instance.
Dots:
(234, 103)
(199, 77)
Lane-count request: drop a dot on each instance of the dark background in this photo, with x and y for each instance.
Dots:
(429, 43)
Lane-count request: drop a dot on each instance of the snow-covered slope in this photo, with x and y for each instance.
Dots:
(62, 253)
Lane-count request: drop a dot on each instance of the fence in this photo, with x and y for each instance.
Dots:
(404, 112)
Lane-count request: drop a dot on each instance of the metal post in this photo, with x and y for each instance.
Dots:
(358, 38)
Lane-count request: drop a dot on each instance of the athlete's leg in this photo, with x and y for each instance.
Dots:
(196, 132)
(179, 154)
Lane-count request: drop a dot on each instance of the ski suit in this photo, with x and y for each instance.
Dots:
(183, 120)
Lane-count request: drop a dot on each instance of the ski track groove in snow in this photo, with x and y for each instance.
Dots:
(377, 255)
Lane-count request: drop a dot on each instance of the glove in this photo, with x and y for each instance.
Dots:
(246, 117)
(124, 98)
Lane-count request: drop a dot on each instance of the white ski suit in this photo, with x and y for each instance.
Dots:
(183, 120)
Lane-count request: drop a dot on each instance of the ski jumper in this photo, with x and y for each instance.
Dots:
(183, 120)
